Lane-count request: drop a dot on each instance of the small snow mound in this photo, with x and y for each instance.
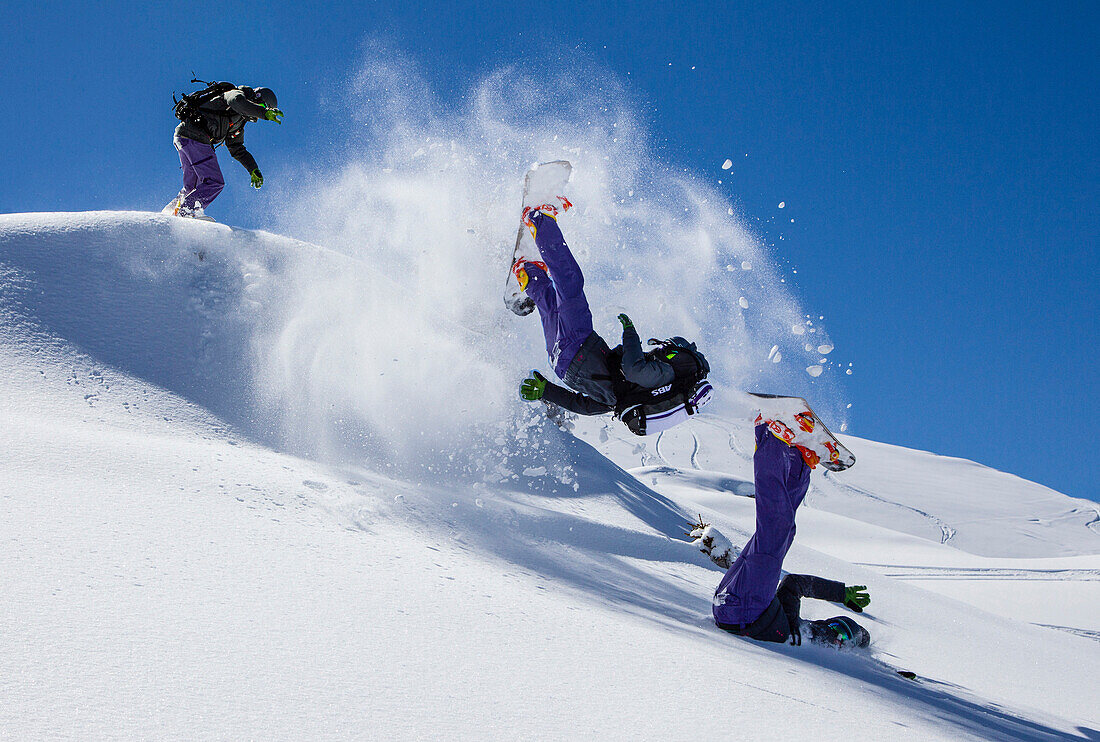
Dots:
(713, 543)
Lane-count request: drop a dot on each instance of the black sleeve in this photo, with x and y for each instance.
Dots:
(237, 101)
(795, 587)
(235, 144)
(574, 402)
(638, 370)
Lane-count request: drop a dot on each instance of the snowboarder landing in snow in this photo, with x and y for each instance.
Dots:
(648, 391)
(746, 601)
(208, 118)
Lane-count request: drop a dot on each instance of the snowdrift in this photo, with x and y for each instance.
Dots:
(248, 491)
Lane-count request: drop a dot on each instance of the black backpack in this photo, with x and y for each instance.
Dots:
(189, 107)
(634, 404)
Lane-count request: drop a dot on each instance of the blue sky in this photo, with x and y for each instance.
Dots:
(940, 162)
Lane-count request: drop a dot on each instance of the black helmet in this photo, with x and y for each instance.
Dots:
(674, 342)
(267, 97)
(680, 342)
(674, 345)
(847, 632)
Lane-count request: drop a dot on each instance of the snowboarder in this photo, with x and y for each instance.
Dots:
(209, 118)
(746, 601)
(648, 391)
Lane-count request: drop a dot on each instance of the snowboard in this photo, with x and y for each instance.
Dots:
(794, 421)
(543, 183)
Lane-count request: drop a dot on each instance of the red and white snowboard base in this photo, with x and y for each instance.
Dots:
(793, 421)
(544, 182)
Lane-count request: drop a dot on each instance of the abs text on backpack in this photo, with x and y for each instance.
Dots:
(648, 411)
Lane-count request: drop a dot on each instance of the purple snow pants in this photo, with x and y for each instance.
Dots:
(563, 308)
(782, 479)
(202, 178)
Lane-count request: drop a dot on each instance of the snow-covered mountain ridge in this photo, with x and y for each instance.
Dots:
(235, 507)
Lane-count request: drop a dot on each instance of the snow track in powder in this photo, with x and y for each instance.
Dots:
(692, 460)
(836, 484)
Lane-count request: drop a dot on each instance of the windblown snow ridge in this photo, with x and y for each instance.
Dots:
(320, 354)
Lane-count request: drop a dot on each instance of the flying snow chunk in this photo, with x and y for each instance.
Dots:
(746, 265)
(727, 164)
(773, 351)
(825, 349)
(809, 347)
(730, 211)
(849, 372)
(782, 204)
(798, 329)
(777, 357)
(743, 302)
(814, 370)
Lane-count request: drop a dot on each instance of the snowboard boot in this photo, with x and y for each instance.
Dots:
(519, 269)
(193, 213)
(549, 209)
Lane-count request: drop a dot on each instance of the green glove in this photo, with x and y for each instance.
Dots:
(533, 387)
(257, 178)
(856, 597)
(626, 321)
(274, 114)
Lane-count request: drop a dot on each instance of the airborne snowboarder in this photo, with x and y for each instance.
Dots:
(209, 118)
(648, 391)
(746, 601)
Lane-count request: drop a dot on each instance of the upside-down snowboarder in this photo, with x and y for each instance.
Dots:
(746, 601)
(209, 118)
(649, 391)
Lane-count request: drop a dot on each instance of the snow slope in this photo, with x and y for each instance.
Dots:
(231, 507)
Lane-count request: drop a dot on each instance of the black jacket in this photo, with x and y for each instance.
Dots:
(223, 121)
(605, 374)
